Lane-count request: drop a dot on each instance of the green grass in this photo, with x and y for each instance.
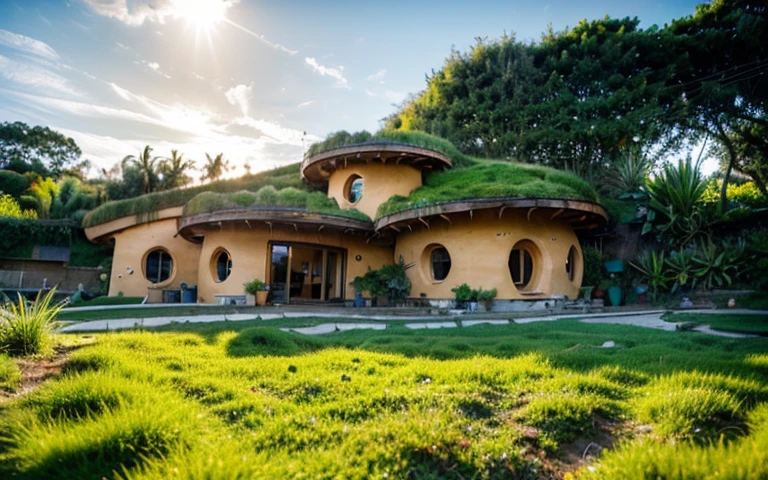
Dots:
(9, 373)
(266, 197)
(245, 400)
(106, 301)
(418, 139)
(492, 180)
(283, 177)
(757, 324)
(117, 313)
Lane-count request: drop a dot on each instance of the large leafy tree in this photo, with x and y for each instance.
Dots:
(147, 165)
(37, 149)
(214, 167)
(175, 170)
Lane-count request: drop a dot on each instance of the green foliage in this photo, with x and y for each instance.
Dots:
(10, 376)
(254, 286)
(754, 324)
(105, 301)
(745, 194)
(283, 177)
(9, 208)
(462, 294)
(390, 280)
(12, 183)
(25, 329)
(495, 180)
(267, 197)
(343, 138)
(626, 175)
(719, 265)
(19, 236)
(214, 167)
(37, 149)
(653, 268)
(593, 266)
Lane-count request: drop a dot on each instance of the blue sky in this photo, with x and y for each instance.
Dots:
(246, 78)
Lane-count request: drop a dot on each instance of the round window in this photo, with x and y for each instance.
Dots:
(222, 265)
(521, 266)
(441, 263)
(158, 266)
(353, 190)
(570, 263)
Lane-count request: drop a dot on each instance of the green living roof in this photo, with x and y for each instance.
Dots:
(283, 177)
(417, 139)
(492, 181)
(269, 196)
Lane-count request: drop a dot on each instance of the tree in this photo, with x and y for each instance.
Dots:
(215, 167)
(147, 165)
(9, 208)
(36, 149)
(174, 171)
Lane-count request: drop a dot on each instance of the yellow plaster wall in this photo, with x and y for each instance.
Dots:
(381, 181)
(131, 247)
(479, 251)
(250, 256)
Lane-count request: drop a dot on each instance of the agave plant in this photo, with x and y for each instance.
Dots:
(627, 175)
(681, 269)
(653, 267)
(25, 327)
(719, 265)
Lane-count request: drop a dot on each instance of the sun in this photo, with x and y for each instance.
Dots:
(202, 14)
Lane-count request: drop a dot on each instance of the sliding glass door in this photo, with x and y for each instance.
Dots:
(306, 273)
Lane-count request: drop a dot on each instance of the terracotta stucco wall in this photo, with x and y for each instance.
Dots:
(480, 249)
(134, 243)
(250, 256)
(381, 181)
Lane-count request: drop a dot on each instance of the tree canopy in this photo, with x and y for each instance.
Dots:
(36, 149)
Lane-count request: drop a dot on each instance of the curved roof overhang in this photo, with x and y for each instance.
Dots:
(581, 215)
(104, 231)
(193, 227)
(319, 167)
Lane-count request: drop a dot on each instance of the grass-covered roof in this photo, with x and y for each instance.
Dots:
(269, 196)
(492, 180)
(283, 177)
(418, 139)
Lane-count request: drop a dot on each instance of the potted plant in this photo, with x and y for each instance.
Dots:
(462, 294)
(487, 297)
(256, 292)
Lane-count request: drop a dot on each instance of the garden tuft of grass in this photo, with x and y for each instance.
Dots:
(10, 377)
(246, 400)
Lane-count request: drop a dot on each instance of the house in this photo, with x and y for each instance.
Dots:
(492, 224)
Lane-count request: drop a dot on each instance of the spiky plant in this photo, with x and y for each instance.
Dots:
(26, 327)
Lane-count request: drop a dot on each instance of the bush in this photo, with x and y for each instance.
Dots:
(593, 267)
(25, 329)
(9, 373)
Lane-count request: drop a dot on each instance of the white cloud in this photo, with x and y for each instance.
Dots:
(328, 71)
(370, 93)
(378, 76)
(262, 38)
(282, 135)
(136, 12)
(154, 66)
(27, 45)
(305, 104)
(121, 92)
(35, 77)
(240, 96)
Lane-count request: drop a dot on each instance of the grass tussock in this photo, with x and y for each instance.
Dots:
(26, 327)
(270, 197)
(10, 377)
(283, 177)
(246, 400)
(492, 180)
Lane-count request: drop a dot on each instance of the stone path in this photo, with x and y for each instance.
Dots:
(642, 319)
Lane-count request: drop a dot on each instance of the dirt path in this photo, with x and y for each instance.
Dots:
(35, 371)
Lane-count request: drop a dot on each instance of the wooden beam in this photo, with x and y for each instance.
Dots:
(501, 211)
(270, 226)
(322, 227)
(424, 222)
(530, 211)
(554, 215)
(445, 217)
(394, 228)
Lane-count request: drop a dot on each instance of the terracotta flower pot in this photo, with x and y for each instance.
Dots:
(261, 297)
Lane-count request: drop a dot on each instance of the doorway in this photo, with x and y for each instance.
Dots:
(306, 273)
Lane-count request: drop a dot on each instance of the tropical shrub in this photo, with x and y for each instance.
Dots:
(25, 328)
(653, 268)
(10, 208)
(390, 280)
(254, 286)
(719, 265)
(462, 294)
(593, 266)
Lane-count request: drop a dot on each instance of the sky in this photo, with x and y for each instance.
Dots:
(257, 81)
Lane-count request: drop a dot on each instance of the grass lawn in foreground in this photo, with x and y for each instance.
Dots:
(245, 400)
(755, 324)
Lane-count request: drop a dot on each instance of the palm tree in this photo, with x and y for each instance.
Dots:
(215, 167)
(174, 170)
(147, 165)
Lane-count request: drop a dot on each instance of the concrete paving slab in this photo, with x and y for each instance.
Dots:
(335, 327)
(472, 323)
(430, 325)
(648, 321)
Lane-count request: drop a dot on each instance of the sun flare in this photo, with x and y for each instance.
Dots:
(202, 14)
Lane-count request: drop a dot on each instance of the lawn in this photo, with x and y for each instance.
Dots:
(755, 324)
(245, 400)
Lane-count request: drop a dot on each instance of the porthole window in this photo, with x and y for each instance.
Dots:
(222, 265)
(570, 263)
(521, 265)
(158, 266)
(441, 263)
(353, 190)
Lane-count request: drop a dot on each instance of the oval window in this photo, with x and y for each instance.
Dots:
(570, 263)
(158, 266)
(521, 266)
(441, 263)
(223, 266)
(354, 189)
